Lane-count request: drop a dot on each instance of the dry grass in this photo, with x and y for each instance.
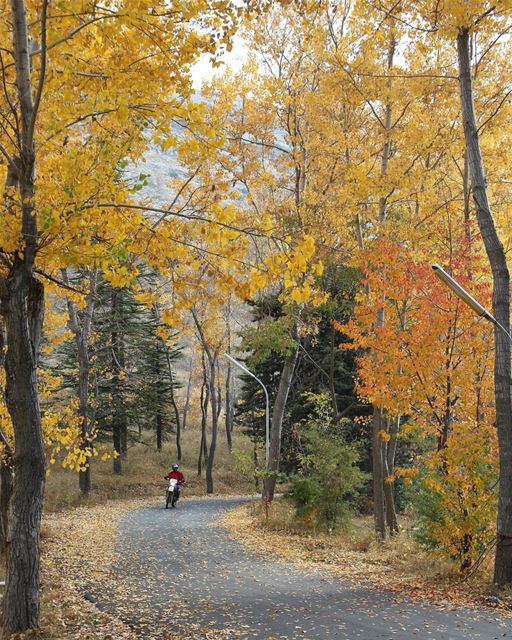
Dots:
(399, 564)
(143, 472)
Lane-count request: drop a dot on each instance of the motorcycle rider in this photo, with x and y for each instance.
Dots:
(177, 475)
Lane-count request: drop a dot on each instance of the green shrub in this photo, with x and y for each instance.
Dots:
(328, 477)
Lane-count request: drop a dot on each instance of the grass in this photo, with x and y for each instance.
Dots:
(143, 472)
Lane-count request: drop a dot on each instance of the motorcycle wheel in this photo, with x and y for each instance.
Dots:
(167, 500)
(174, 500)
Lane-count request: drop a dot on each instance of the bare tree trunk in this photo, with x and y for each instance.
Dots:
(210, 357)
(158, 428)
(229, 406)
(158, 402)
(205, 401)
(187, 395)
(6, 463)
(379, 499)
(6, 487)
(212, 360)
(23, 310)
(501, 310)
(122, 409)
(117, 419)
(389, 481)
(80, 324)
(332, 388)
(174, 404)
(285, 384)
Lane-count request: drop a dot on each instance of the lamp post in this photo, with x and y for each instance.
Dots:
(267, 404)
(461, 293)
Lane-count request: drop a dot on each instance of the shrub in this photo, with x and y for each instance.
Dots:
(455, 501)
(328, 477)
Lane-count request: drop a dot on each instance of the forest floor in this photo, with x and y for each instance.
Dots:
(179, 575)
(79, 537)
(126, 570)
(399, 565)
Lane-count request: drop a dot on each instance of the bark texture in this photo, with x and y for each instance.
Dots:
(174, 403)
(23, 308)
(210, 372)
(119, 418)
(80, 323)
(278, 411)
(501, 311)
(382, 495)
(6, 468)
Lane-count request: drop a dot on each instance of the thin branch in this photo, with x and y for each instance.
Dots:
(73, 32)
(5, 153)
(501, 103)
(177, 214)
(61, 284)
(42, 71)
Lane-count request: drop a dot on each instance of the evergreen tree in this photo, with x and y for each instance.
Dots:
(322, 368)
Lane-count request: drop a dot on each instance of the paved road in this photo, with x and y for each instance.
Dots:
(222, 585)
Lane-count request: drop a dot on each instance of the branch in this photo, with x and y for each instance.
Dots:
(5, 153)
(61, 284)
(42, 71)
(501, 103)
(177, 214)
(73, 32)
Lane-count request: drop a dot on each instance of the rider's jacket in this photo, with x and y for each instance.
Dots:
(177, 475)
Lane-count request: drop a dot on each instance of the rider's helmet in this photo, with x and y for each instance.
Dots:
(175, 467)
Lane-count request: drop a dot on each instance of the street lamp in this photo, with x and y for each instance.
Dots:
(267, 404)
(466, 297)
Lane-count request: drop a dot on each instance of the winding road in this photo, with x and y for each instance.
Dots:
(180, 576)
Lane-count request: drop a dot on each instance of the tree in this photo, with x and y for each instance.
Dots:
(45, 126)
(80, 323)
(500, 305)
(430, 364)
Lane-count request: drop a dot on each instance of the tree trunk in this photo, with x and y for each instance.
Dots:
(332, 362)
(6, 463)
(255, 460)
(378, 473)
(122, 410)
(285, 384)
(389, 472)
(159, 399)
(501, 311)
(174, 405)
(205, 400)
(158, 428)
(117, 420)
(80, 324)
(209, 378)
(187, 397)
(23, 310)
(6, 487)
(379, 420)
(22, 306)
(229, 407)
(84, 477)
(212, 360)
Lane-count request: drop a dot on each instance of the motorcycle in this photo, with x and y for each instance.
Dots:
(172, 493)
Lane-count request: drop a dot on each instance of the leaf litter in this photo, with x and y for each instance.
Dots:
(399, 565)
